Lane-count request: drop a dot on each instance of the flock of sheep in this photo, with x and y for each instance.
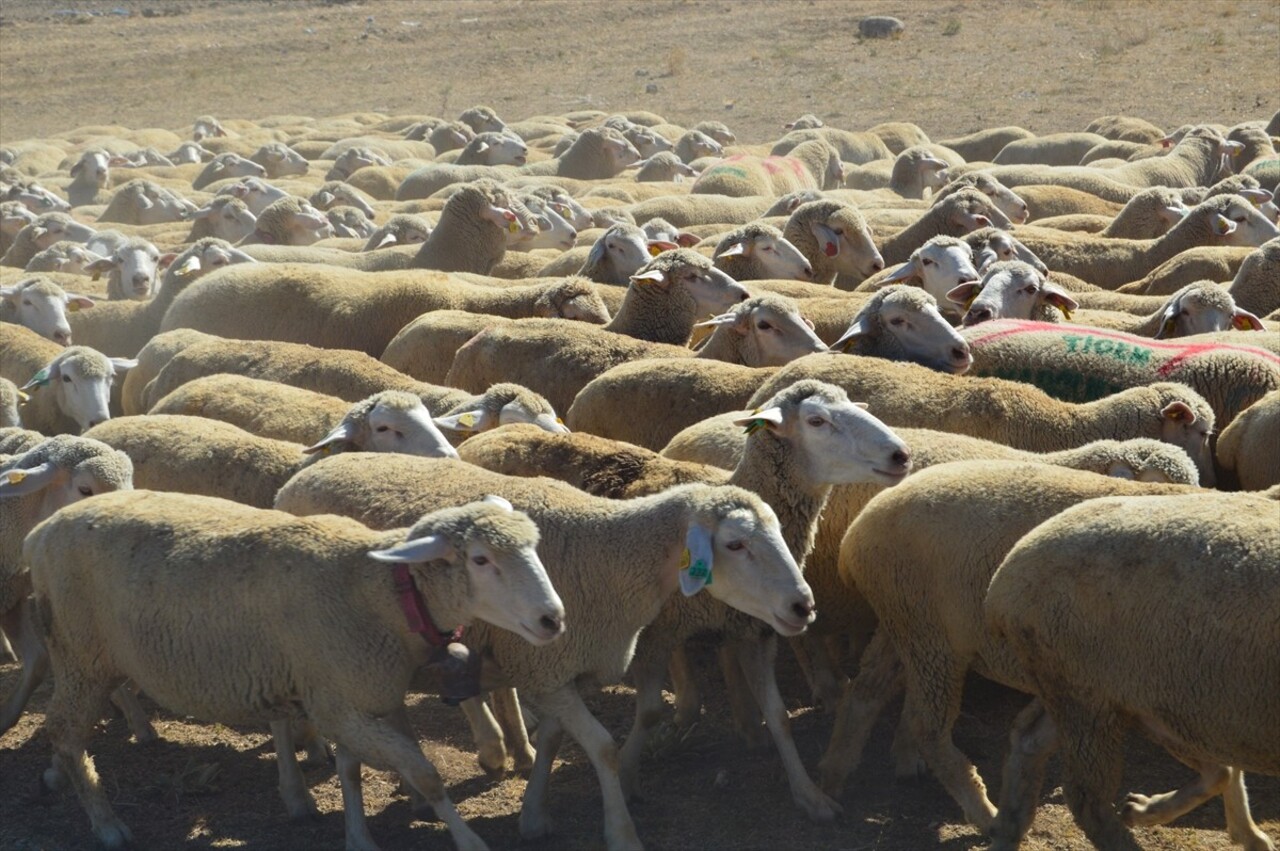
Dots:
(1011, 402)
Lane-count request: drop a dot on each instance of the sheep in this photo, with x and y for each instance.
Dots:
(808, 121)
(1207, 262)
(444, 136)
(1215, 555)
(956, 215)
(68, 258)
(929, 641)
(940, 265)
(353, 159)
(1256, 286)
(1126, 128)
(189, 153)
(41, 305)
(1246, 448)
(224, 217)
(471, 233)
(1008, 412)
(143, 202)
(1148, 215)
(553, 230)
(335, 192)
(206, 126)
(10, 398)
(482, 565)
(226, 166)
(70, 387)
(686, 211)
(501, 404)
(1197, 309)
(900, 322)
(618, 254)
(34, 483)
(718, 131)
(1012, 290)
(695, 145)
(1047, 201)
(493, 148)
(881, 26)
(983, 145)
(42, 233)
(289, 221)
(757, 251)
(425, 348)
(854, 148)
(122, 328)
(661, 230)
(279, 160)
(1055, 149)
(1002, 196)
(559, 361)
(482, 119)
(257, 194)
(1080, 364)
(348, 309)
(263, 408)
(833, 236)
(916, 170)
(647, 537)
(349, 223)
(89, 176)
(809, 165)
(1109, 263)
(13, 218)
(399, 229)
(563, 203)
(664, 167)
(152, 357)
(597, 154)
(132, 269)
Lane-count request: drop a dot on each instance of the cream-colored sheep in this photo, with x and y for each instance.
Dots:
(122, 328)
(759, 250)
(810, 165)
(1247, 448)
(902, 323)
(475, 561)
(956, 215)
(46, 230)
(89, 176)
(471, 235)
(289, 221)
(1206, 263)
(1078, 590)
(68, 258)
(1126, 128)
(1054, 149)
(70, 387)
(279, 160)
(225, 166)
(151, 359)
(40, 305)
(1012, 290)
(399, 229)
(345, 308)
(1200, 308)
(14, 216)
(355, 158)
(1148, 215)
(225, 217)
(10, 398)
(132, 268)
(144, 202)
(1256, 286)
(930, 640)
(835, 239)
(733, 536)
(852, 147)
(1081, 364)
(613, 258)
(983, 145)
(1009, 202)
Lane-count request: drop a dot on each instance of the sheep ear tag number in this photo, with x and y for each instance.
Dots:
(694, 574)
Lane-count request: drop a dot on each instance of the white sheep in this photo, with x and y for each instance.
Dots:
(70, 387)
(734, 538)
(1008, 201)
(41, 305)
(279, 160)
(1200, 308)
(1012, 290)
(471, 234)
(474, 561)
(354, 158)
(902, 323)
(225, 217)
(757, 251)
(226, 166)
(89, 176)
(1256, 286)
(1078, 590)
(144, 202)
(255, 192)
(14, 216)
(132, 268)
(399, 229)
(289, 221)
(46, 230)
(834, 237)
(938, 267)
(68, 258)
(810, 165)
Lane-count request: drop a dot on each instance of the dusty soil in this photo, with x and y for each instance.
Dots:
(1044, 65)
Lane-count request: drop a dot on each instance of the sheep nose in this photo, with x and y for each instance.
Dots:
(960, 353)
(141, 279)
(808, 271)
(93, 423)
(901, 457)
(573, 234)
(877, 264)
(551, 624)
(977, 315)
(63, 337)
(803, 609)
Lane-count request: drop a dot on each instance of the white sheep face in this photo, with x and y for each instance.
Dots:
(919, 329)
(135, 267)
(43, 309)
(940, 269)
(779, 257)
(713, 291)
(61, 486)
(774, 336)
(752, 569)
(553, 230)
(1181, 427)
(1197, 311)
(511, 590)
(231, 222)
(840, 443)
(1243, 224)
(1015, 292)
(406, 430)
(515, 412)
(82, 386)
(55, 231)
(850, 244)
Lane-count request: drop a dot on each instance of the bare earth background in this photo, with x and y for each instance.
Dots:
(1048, 65)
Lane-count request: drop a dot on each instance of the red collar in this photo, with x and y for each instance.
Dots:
(415, 610)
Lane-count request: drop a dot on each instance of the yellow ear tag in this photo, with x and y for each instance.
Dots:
(468, 420)
(654, 250)
(73, 306)
(1223, 227)
(23, 397)
(559, 421)
(96, 276)
(513, 227)
(16, 476)
(1066, 314)
(1169, 325)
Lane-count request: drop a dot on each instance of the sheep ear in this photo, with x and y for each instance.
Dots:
(902, 273)
(657, 246)
(738, 249)
(964, 294)
(494, 499)
(653, 276)
(44, 377)
(482, 146)
(123, 364)
(722, 319)
(1256, 196)
(8, 293)
(100, 267)
(342, 432)
(597, 252)
(758, 419)
(1243, 320)
(1179, 412)
(859, 328)
(1168, 320)
(1233, 148)
(77, 168)
(828, 240)
(1059, 299)
(389, 239)
(415, 551)
(75, 302)
(695, 565)
(467, 421)
(1166, 142)
(1222, 226)
(189, 267)
(1179, 212)
(688, 240)
(972, 221)
(21, 482)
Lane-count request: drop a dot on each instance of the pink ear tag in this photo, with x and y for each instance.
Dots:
(830, 250)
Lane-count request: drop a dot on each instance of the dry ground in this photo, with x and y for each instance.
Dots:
(1044, 65)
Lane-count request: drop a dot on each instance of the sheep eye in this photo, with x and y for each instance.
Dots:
(925, 261)
(897, 321)
(480, 560)
(734, 545)
(763, 326)
(817, 422)
(85, 490)
(381, 429)
(26, 302)
(1239, 219)
(838, 231)
(66, 379)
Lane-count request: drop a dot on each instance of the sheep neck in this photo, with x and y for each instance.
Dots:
(771, 468)
(652, 315)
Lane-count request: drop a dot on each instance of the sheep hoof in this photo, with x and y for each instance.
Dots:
(494, 773)
(302, 811)
(1135, 805)
(53, 780)
(523, 760)
(817, 805)
(113, 835)
(534, 825)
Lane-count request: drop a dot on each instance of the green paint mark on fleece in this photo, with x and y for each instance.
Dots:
(1115, 349)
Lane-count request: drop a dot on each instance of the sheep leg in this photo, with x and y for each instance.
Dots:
(1092, 768)
(318, 750)
(757, 658)
(74, 709)
(1144, 811)
(932, 706)
(126, 700)
(1031, 741)
(879, 680)
(491, 747)
(907, 763)
(1240, 825)
(298, 802)
(685, 685)
(742, 700)
(18, 623)
(534, 821)
(646, 675)
(566, 706)
(399, 720)
(824, 678)
(506, 706)
(379, 743)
